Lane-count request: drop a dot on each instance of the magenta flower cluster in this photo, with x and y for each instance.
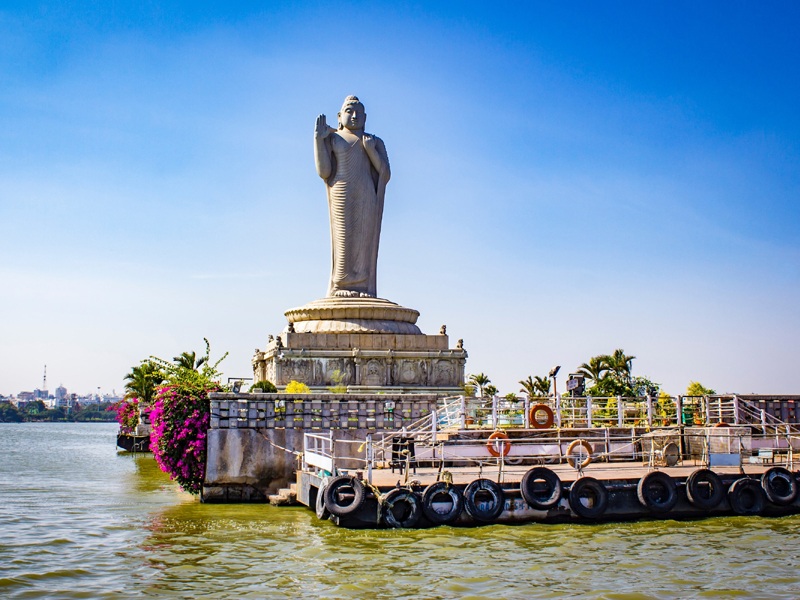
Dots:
(127, 414)
(179, 420)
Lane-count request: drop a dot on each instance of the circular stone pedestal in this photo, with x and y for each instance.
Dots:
(353, 315)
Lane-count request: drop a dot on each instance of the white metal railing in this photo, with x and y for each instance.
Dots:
(712, 447)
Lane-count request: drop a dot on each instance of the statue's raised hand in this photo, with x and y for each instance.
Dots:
(368, 141)
(321, 129)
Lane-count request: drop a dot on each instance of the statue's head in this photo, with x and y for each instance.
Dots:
(352, 116)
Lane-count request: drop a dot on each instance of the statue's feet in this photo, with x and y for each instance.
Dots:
(352, 294)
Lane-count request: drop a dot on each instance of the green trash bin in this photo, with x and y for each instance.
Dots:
(687, 416)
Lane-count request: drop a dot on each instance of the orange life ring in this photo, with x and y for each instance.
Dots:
(534, 422)
(586, 446)
(492, 445)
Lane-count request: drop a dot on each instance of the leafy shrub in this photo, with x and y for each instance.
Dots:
(296, 387)
(179, 419)
(265, 385)
(127, 414)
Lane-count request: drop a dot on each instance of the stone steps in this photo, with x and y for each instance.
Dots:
(285, 496)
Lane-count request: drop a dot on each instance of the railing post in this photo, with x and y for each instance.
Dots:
(370, 457)
(463, 412)
(736, 410)
(620, 412)
(305, 452)
(333, 451)
(494, 412)
(763, 421)
(678, 411)
(649, 411)
(526, 415)
(708, 409)
(588, 411)
(558, 411)
(434, 423)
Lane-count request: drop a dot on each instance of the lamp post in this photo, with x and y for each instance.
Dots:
(553, 373)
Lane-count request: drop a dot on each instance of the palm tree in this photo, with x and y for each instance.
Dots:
(480, 381)
(528, 386)
(620, 363)
(596, 368)
(142, 382)
(536, 387)
(542, 385)
(189, 360)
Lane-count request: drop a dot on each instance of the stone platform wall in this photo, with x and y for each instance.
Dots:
(364, 362)
(255, 440)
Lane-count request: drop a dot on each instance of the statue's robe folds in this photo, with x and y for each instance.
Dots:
(355, 201)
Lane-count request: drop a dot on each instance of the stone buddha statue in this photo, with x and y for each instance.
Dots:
(355, 168)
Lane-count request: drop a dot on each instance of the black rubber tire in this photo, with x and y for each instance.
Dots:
(704, 489)
(657, 492)
(353, 498)
(438, 489)
(401, 509)
(322, 511)
(746, 496)
(540, 496)
(476, 508)
(599, 496)
(779, 485)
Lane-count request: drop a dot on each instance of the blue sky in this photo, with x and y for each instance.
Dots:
(567, 179)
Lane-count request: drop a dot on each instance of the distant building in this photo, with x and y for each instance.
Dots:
(61, 393)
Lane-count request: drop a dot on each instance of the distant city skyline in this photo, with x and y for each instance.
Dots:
(567, 179)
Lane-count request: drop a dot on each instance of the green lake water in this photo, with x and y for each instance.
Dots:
(79, 520)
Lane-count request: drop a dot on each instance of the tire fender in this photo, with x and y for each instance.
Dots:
(541, 488)
(746, 496)
(779, 485)
(344, 495)
(408, 516)
(704, 489)
(438, 489)
(593, 490)
(476, 508)
(657, 492)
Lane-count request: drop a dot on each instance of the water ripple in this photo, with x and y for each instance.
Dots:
(81, 521)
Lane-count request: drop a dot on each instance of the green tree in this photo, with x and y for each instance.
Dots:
(595, 369)
(480, 381)
(535, 386)
(9, 413)
(695, 388)
(620, 363)
(141, 382)
(189, 360)
(34, 410)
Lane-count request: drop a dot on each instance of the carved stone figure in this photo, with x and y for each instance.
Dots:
(355, 167)
(443, 330)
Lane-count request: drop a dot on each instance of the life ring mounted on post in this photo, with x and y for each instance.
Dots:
(534, 413)
(498, 444)
(573, 456)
